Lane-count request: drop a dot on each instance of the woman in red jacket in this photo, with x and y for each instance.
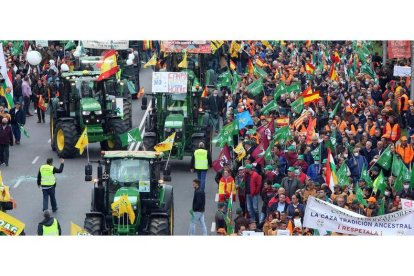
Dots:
(227, 187)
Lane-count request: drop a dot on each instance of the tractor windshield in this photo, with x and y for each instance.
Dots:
(129, 171)
(86, 87)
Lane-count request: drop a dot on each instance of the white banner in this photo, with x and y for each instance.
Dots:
(106, 44)
(3, 70)
(328, 217)
(407, 204)
(43, 43)
(169, 82)
(402, 71)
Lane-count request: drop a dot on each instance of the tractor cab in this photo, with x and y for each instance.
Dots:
(135, 175)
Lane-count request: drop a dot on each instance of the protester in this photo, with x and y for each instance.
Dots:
(199, 201)
(47, 181)
(49, 226)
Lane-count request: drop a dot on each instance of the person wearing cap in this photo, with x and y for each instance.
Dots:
(314, 170)
(301, 163)
(291, 156)
(17, 118)
(372, 209)
(200, 162)
(290, 182)
(198, 208)
(405, 151)
(253, 182)
(240, 220)
(219, 218)
(49, 226)
(269, 174)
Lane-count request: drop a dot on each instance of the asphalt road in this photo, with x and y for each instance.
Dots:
(73, 194)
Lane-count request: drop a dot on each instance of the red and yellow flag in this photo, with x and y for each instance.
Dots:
(332, 73)
(232, 65)
(251, 67)
(335, 57)
(309, 96)
(282, 121)
(109, 66)
(205, 93)
(310, 131)
(310, 69)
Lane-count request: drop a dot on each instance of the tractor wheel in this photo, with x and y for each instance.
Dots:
(51, 128)
(159, 227)
(127, 115)
(116, 127)
(93, 225)
(65, 138)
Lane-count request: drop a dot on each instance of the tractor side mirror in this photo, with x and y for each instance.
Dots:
(100, 171)
(144, 103)
(88, 172)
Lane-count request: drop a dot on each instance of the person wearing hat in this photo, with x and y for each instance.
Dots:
(49, 226)
(291, 156)
(240, 220)
(290, 182)
(269, 173)
(405, 151)
(372, 209)
(201, 162)
(314, 170)
(301, 163)
(253, 182)
(17, 118)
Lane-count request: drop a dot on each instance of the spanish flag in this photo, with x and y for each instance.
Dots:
(109, 65)
(232, 65)
(282, 121)
(152, 61)
(309, 96)
(183, 63)
(250, 67)
(166, 145)
(332, 73)
(83, 141)
(205, 93)
(310, 69)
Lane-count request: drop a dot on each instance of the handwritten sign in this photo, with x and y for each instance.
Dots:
(169, 82)
(189, 46)
(402, 71)
(407, 204)
(399, 49)
(106, 44)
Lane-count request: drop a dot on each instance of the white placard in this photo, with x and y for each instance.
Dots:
(402, 71)
(106, 44)
(169, 82)
(43, 43)
(328, 217)
(252, 233)
(407, 204)
(283, 232)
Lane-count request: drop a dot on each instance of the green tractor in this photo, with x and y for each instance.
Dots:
(137, 175)
(180, 113)
(104, 107)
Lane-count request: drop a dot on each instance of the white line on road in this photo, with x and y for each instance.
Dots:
(35, 160)
(18, 183)
(213, 227)
(49, 141)
(217, 198)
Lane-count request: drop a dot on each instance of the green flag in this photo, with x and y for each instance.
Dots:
(343, 175)
(333, 113)
(230, 229)
(256, 87)
(316, 152)
(268, 152)
(70, 45)
(280, 90)
(226, 134)
(399, 182)
(224, 79)
(134, 135)
(366, 69)
(366, 178)
(396, 165)
(259, 72)
(332, 141)
(24, 131)
(381, 209)
(295, 87)
(17, 48)
(379, 183)
(283, 134)
(385, 158)
(359, 196)
(236, 80)
(297, 105)
(269, 107)
(412, 178)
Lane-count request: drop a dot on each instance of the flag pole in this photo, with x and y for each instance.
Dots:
(169, 155)
(87, 151)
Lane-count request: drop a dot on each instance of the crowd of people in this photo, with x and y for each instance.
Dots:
(317, 104)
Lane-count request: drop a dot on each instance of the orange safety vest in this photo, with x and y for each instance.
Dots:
(371, 130)
(342, 126)
(406, 153)
(405, 106)
(391, 133)
(146, 45)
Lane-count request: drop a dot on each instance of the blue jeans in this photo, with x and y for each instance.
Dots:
(46, 194)
(201, 175)
(16, 131)
(253, 206)
(198, 218)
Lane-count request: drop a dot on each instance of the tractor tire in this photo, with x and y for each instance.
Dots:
(116, 127)
(128, 112)
(93, 225)
(159, 227)
(65, 138)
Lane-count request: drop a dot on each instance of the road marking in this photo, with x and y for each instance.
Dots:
(18, 182)
(217, 198)
(213, 227)
(49, 141)
(35, 160)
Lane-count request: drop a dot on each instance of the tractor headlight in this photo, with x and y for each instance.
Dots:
(86, 113)
(98, 112)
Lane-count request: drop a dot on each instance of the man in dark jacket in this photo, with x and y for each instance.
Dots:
(290, 183)
(215, 104)
(17, 118)
(49, 226)
(240, 220)
(17, 89)
(39, 90)
(197, 213)
(219, 218)
(6, 140)
(46, 179)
